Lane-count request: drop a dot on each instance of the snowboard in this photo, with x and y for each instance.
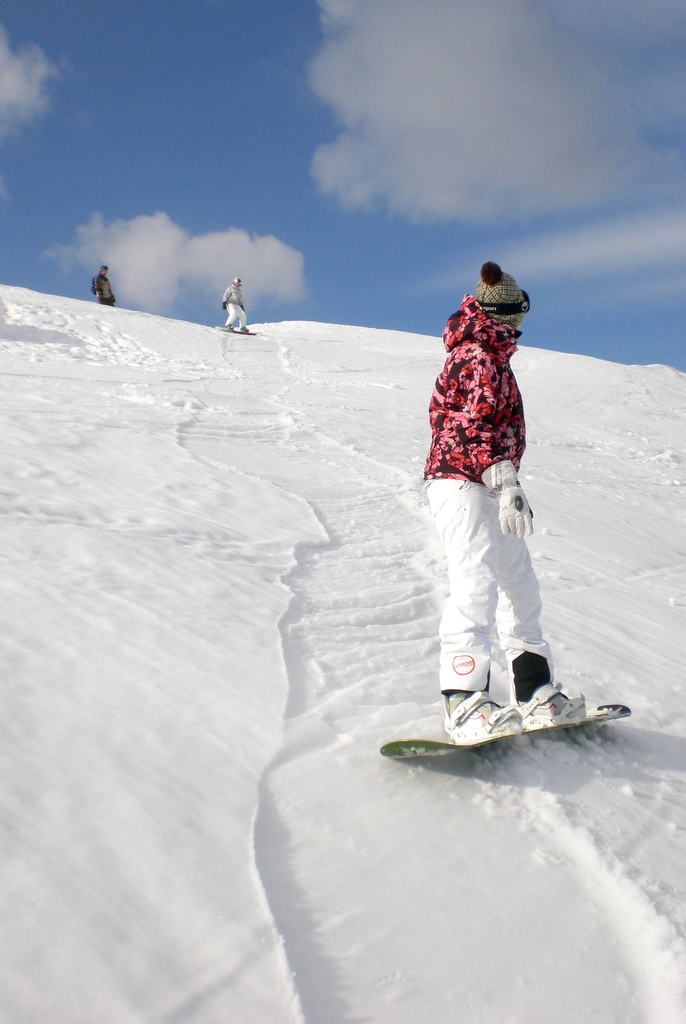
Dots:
(244, 334)
(437, 748)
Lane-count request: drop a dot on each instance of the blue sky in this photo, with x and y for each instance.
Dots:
(354, 161)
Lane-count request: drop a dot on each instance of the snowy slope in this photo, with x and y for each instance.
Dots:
(220, 594)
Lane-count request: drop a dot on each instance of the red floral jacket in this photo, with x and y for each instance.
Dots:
(476, 412)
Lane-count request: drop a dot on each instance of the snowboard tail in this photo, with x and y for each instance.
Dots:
(406, 748)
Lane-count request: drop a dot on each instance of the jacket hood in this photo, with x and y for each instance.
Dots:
(470, 325)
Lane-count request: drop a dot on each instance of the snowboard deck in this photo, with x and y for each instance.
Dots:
(243, 334)
(437, 748)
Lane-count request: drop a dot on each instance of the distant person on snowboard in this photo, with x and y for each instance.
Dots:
(482, 516)
(232, 302)
(102, 288)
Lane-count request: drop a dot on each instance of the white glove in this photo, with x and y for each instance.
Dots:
(514, 511)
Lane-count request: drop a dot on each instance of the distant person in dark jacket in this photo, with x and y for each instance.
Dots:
(102, 287)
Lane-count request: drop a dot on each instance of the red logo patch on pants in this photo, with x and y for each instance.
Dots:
(463, 664)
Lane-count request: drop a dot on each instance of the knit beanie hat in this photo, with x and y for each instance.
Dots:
(495, 286)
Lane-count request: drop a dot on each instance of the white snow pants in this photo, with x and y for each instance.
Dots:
(235, 313)
(492, 582)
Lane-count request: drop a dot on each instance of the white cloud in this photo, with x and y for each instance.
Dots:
(154, 262)
(476, 109)
(651, 244)
(642, 44)
(634, 24)
(23, 76)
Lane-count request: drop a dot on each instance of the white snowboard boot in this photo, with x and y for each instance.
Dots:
(473, 717)
(549, 708)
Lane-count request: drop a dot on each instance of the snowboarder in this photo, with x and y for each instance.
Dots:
(232, 302)
(482, 516)
(102, 288)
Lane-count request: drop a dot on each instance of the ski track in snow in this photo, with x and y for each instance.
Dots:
(596, 819)
(654, 951)
(332, 576)
(635, 910)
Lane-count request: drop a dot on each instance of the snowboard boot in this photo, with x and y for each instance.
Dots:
(471, 717)
(244, 330)
(549, 708)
